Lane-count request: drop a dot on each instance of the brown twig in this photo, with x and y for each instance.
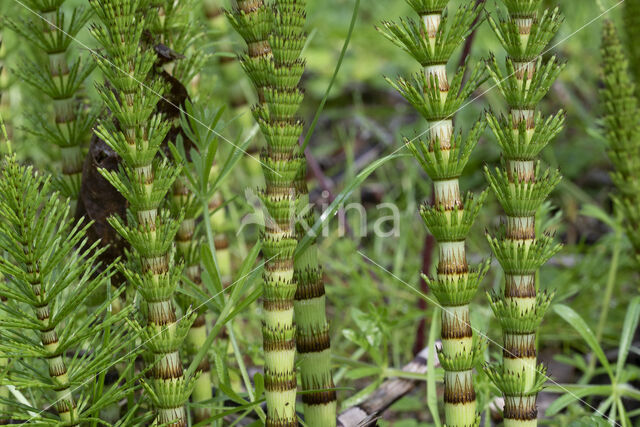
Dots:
(390, 391)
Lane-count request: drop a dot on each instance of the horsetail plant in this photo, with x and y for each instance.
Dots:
(621, 126)
(313, 341)
(61, 79)
(174, 27)
(443, 154)
(275, 36)
(144, 179)
(521, 186)
(51, 271)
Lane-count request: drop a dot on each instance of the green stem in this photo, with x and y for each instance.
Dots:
(608, 293)
(312, 339)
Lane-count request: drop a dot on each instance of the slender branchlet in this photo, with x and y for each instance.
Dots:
(275, 37)
(443, 154)
(313, 341)
(521, 186)
(61, 79)
(51, 271)
(621, 126)
(136, 133)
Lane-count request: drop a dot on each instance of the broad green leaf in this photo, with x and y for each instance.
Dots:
(574, 319)
(628, 330)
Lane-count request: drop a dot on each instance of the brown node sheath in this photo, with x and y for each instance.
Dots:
(525, 288)
(314, 343)
(279, 382)
(455, 328)
(524, 410)
(453, 265)
(278, 344)
(167, 368)
(311, 288)
(459, 393)
(320, 397)
(277, 305)
(519, 346)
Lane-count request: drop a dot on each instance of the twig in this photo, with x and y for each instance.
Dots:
(390, 391)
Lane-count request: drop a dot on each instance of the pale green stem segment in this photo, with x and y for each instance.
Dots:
(65, 404)
(521, 189)
(458, 351)
(312, 339)
(144, 180)
(65, 115)
(187, 249)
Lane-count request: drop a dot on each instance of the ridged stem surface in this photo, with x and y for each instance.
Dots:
(144, 180)
(313, 341)
(443, 153)
(275, 37)
(521, 186)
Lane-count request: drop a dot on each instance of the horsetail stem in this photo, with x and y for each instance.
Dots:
(313, 341)
(275, 37)
(621, 116)
(521, 186)
(144, 180)
(61, 81)
(443, 154)
(174, 27)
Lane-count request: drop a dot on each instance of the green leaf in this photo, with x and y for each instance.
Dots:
(577, 394)
(628, 330)
(366, 371)
(233, 159)
(592, 421)
(311, 234)
(598, 213)
(258, 380)
(244, 272)
(574, 319)
(214, 285)
(432, 396)
(359, 397)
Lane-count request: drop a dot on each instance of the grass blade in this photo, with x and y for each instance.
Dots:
(628, 329)
(352, 24)
(574, 319)
(340, 198)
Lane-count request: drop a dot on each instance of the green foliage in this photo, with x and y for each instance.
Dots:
(61, 79)
(144, 179)
(522, 144)
(542, 30)
(424, 93)
(409, 35)
(621, 127)
(521, 90)
(51, 273)
(520, 197)
(522, 186)
(443, 164)
(452, 225)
